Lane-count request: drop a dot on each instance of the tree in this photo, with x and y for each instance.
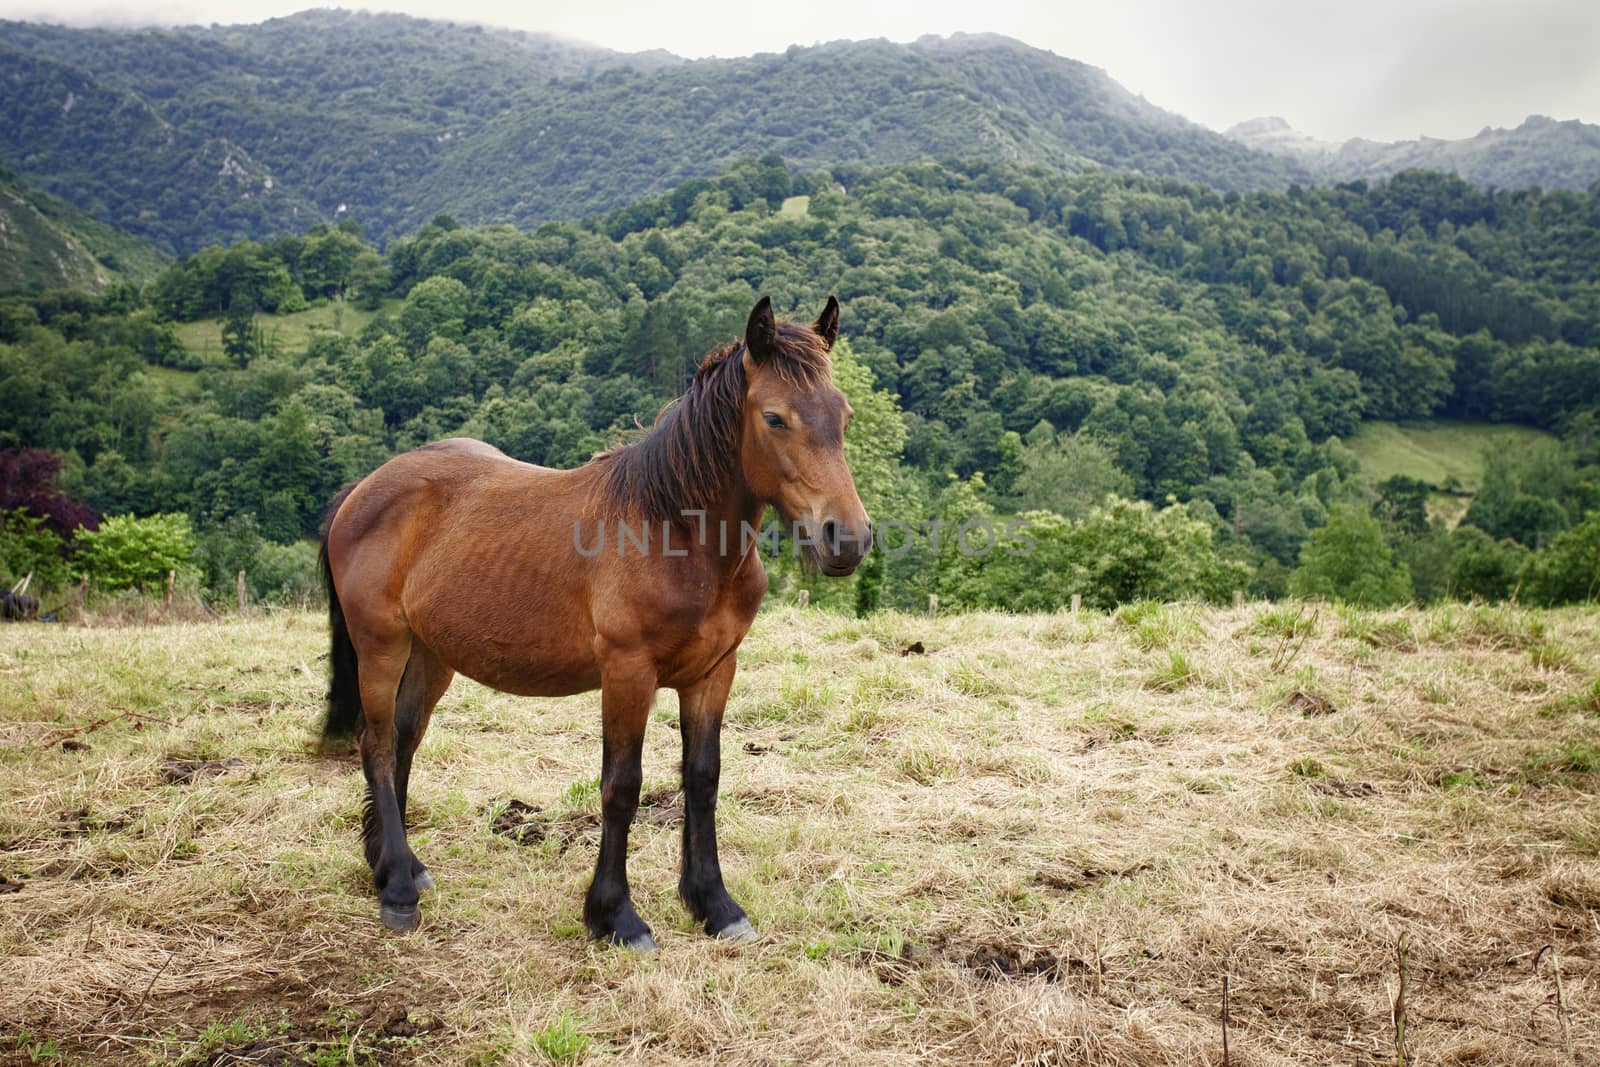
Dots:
(1347, 560)
(435, 307)
(1069, 474)
(1402, 505)
(28, 481)
(1482, 567)
(369, 277)
(241, 340)
(1569, 570)
(28, 546)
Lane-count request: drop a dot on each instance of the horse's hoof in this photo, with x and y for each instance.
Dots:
(424, 881)
(641, 944)
(400, 920)
(740, 931)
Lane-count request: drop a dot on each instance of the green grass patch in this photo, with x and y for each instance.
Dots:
(1153, 624)
(1308, 767)
(1444, 453)
(561, 1041)
(284, 334)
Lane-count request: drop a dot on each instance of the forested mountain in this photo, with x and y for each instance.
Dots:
(205, 135)
(1038, 341)
(1541, 152)
(46, 244)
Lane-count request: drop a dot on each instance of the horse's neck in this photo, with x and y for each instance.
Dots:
(736, 512)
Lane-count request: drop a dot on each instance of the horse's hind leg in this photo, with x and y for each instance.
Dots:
(382, 661)
(425, 681)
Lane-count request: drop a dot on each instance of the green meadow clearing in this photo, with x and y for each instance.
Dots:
(1441, 452)
(971, 839)
(279, 333)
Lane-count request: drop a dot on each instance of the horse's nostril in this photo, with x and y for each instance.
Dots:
(830, 535)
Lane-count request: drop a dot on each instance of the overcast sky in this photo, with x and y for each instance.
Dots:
(1385, 69)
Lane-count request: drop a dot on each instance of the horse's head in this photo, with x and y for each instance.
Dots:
(792, 440)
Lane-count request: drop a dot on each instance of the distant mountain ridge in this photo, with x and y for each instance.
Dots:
(392, 120)
(1542, 151)
(205, 135)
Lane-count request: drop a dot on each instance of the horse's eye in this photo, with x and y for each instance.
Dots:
(774, 420)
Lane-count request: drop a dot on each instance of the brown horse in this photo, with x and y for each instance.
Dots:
(633, 572)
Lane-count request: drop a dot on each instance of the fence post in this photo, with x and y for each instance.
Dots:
(804, 598)
(166, 601)
(933, 603)
(1077, 602)
(1238, 597)
(240, 591)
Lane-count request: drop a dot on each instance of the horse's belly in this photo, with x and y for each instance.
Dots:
(534, 654)
(535, 680)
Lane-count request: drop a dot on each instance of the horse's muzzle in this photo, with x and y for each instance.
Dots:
(840, 547)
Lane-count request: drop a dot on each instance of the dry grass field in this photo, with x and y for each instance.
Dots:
(976, 839)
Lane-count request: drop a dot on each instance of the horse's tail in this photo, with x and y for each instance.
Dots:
(344, 690)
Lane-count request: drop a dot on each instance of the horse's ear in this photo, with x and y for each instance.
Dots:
(761, 332)
(827, 325)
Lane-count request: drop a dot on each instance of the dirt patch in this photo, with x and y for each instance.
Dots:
(1309, 704)
(82, 821)
(660, 807)
(8, 886)
(178, 771)
(383, 1035)
(530, 825)
(1071, 880)
(1000, 961)
(914, 649)
(991, 961)
(1337, 787)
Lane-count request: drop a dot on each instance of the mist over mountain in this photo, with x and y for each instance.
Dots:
(1541, 151)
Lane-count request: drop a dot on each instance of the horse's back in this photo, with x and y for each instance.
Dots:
(461, 446)
(470, 550)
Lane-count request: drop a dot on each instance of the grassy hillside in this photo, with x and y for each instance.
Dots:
(1439, 452)
(1445, 453)
(973, 839)
(46, 244)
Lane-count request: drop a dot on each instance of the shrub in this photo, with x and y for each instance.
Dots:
(128, 552)
(1347, 560)
(27, 544)
(1569, 570)
(286, 574)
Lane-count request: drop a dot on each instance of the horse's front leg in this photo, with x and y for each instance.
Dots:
(626, 689)
(700, 709)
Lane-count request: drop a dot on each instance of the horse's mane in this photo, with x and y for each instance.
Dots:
(686, 460)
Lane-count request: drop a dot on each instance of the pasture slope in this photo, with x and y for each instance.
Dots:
(975, 839)
(1445, 453)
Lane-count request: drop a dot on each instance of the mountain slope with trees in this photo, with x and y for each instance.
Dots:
(207, 135)
(1157, 376)
(47, 244)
